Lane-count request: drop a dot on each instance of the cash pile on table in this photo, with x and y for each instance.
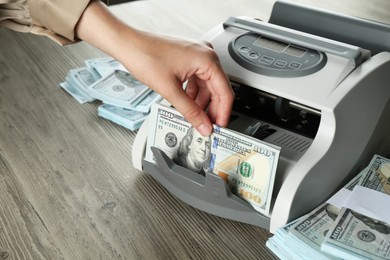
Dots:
(126, 101)
(353, 224)
(248, 165)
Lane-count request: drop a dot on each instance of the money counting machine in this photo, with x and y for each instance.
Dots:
(319, 84)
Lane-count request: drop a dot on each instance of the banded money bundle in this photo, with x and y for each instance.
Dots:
(127, 101)
(353, 224)
(247, 165)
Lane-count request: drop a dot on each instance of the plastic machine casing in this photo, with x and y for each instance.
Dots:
(329, 121)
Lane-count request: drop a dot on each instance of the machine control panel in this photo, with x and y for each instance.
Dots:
(275, 58)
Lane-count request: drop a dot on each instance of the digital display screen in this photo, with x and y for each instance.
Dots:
(280, 47)
(270, 44)
(297, 52)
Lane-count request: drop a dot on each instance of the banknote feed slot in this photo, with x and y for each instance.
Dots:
(276, 121)
(329, 120)
(276, 111)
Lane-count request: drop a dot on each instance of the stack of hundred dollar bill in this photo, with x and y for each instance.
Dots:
(248, 165)
(126, 101)
(353, 224)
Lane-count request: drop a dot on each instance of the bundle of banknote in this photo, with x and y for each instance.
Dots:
(122, 116)
(119, 88)
(247, 165)
(353, 224)
(76, 84)
(126, 100)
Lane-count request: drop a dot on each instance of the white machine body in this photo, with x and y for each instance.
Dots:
(346, 99)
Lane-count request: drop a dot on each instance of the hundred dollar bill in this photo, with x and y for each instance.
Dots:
(119, 89)
(309, 232)
(377, 176)
(305, 235)
(76, 84)
(312, 228)
(146, 103)
(102, 67)
(279, 243)
(355, 236)
(355, 180)
(349, 236)
(80, 79)
(248, 165)
(166, 129)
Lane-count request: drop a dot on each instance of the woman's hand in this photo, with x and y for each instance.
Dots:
(164, 64)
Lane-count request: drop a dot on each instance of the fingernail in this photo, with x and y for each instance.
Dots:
(204, 129)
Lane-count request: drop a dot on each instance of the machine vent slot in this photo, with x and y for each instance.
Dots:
(292, 142)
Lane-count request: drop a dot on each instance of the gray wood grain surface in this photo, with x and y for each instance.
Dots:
(68, 189)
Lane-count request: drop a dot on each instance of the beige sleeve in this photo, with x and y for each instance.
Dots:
(53, 18)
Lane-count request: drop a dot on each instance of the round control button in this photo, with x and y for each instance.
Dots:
(244, 49)
(254, 55)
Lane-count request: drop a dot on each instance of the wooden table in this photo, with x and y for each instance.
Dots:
(68, 189)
